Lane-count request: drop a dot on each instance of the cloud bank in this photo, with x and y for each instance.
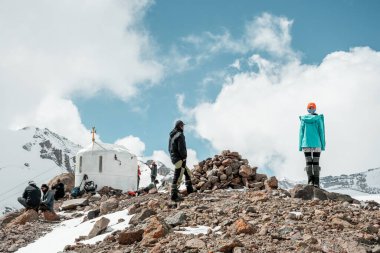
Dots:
(256, 112)
(70, 48)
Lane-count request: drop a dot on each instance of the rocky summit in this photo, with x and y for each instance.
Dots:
(237, 211)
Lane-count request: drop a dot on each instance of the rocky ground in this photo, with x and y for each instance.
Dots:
(257, 218)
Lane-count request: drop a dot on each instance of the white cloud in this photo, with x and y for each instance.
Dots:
(270, 33)
(266, 33)
(162, 156)
(58, 114)
(133, 144)
(71, 48)
(256, 113)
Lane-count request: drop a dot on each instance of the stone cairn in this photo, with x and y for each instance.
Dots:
(226, 170)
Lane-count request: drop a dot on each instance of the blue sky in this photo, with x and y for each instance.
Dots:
(319, 28)
(238, 72)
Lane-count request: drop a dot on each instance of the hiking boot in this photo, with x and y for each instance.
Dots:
(174, 194)
(316, 169)
(189, 187)
(316, 182)
(310, 177)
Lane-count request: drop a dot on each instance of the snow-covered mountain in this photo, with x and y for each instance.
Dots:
(363, 185)
(31, 153)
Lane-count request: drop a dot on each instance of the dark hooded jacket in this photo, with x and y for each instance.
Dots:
(59, 190)
(177, 146)
(32, 195)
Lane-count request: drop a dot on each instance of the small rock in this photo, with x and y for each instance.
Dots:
(93, 214)
(295, 215)
(340, 222)
(176, 219)
(13, 248)
(310, 239)
(227, 246)
(242, 227)
(153, 204)
(196, 244)
(133, 209)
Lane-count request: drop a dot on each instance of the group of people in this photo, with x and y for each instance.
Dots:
(312, 142)
(33, 199)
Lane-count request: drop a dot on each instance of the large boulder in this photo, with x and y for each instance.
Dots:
(271, 183)
(155, 229)
(108, 205)
(130, 236)
(99, 227)
(309, 192)
(138, 218)
(66, 178)
(50, 216)
(8, 218)
(73, 203)
(27, 216)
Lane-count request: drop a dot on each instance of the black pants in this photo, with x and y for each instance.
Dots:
(179, 168)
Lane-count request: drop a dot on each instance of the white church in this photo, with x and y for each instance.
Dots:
(107, 165)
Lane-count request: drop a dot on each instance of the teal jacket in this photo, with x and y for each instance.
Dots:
(312, 132)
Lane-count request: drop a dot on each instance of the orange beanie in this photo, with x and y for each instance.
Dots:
(311, 106)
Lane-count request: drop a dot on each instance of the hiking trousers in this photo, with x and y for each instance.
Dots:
(312, 168)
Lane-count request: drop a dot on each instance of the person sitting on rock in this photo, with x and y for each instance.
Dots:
(31, 197)
(312, 142)
(178, 155)
(147, 189)
(153, 172)
(47, 203)
(59, 188)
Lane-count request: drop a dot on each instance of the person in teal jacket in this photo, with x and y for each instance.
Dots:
(312, 142)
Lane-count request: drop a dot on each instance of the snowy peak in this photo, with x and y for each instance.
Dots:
(366, 182)
(52, 146)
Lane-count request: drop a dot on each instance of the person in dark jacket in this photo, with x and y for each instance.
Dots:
(47, 203)
(153, 172)
(31, 197)
(178, 155)
(59, 188)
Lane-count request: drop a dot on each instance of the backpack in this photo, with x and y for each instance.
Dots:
(76, 192)
(90, 186)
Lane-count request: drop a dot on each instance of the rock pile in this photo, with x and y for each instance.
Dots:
(229, 169)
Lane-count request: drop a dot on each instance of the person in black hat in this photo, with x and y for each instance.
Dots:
(31, 197)
(178, 155)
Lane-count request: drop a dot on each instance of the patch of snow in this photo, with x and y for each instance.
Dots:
(193, 230)
(66, 232)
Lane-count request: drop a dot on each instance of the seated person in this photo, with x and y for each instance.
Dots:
(31, 197)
